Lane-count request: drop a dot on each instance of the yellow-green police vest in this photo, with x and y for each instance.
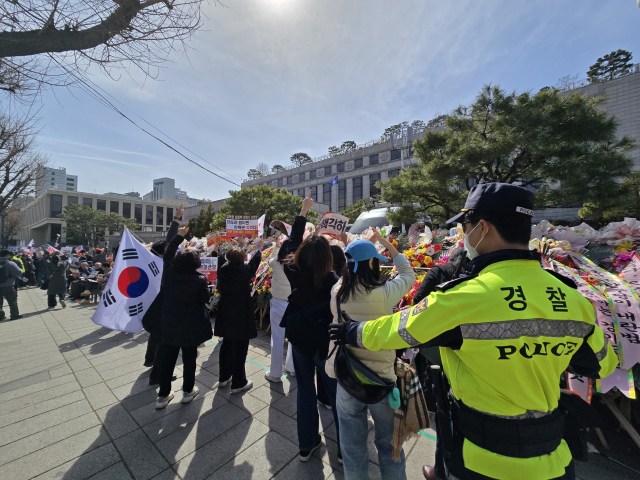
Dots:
(505, 337)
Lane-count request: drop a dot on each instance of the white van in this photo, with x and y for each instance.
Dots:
(374, 218)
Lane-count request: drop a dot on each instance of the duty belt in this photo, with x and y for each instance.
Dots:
(519, 438)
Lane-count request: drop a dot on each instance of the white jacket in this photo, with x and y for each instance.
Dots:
(280, 287)
(378, 303)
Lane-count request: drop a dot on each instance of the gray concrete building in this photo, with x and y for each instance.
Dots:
(357, 171)
(56, 178)
(622, 101)
(165, 189)
(41, 222)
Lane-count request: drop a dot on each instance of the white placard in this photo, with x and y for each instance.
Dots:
(209, 267)
(332, 224)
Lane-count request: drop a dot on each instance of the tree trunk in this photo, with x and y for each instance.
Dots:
(33, 42)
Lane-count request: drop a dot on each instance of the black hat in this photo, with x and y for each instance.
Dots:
(498, 197)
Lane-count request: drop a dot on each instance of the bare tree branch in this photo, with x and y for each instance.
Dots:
(113, 34)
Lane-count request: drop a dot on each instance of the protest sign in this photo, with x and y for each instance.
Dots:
(209, 268)
(332, 224)
(14, 249)
(242, 226)
(66, 250)
(216, 237)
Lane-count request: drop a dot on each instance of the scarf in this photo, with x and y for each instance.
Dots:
(412, 416)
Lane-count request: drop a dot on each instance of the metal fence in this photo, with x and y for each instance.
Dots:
(572, 84)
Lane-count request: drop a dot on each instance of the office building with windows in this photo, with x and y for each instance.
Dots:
(41, 222)
(358, 172)
(56, 178)
(165, 189)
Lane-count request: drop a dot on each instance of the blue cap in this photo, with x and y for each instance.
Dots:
(360, 250)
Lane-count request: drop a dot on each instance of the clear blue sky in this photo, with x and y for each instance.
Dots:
(267, 78)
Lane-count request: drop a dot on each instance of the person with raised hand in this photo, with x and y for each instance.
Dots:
(309, 268)
(184, 321)
(234, 320)
(364, 294)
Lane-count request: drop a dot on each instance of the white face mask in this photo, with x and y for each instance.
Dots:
(471, 251)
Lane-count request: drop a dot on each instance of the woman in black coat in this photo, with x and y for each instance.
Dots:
(184, 320)
(306, 321)
(235, 321)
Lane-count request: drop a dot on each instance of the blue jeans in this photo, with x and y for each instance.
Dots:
(354, 430)
(308, 417)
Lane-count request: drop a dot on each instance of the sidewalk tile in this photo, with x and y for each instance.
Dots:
(114, 472)
(116, 420)
(41, 422)
(194, 435)
(54, 455)
(261, 461)
(46, 437)
(140, 455)
(99, 396)
(210, 457)
(84, 466)
(56, 402)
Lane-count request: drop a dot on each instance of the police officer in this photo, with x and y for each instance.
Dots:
(506, 333)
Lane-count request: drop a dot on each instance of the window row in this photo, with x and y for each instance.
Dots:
(341, 167)
(114, 207)
(357, 194)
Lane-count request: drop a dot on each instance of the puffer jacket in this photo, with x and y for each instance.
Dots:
(378, 303)
(280, 286)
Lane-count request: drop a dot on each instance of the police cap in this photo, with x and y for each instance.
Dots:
(497, 197)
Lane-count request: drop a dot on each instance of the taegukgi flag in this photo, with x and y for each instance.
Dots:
(134, 283)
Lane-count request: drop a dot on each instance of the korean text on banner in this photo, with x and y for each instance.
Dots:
(332, 224)
(134, 283)
(242, 225)
(66, 250)
(209, 268)
(217, 236)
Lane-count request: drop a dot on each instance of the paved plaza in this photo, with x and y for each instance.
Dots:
(75, 403)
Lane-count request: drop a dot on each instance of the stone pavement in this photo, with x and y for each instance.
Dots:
(75, 403)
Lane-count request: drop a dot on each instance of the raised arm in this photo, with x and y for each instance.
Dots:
(297, 229)
(172, 248)
(254, 263)
(173, 228)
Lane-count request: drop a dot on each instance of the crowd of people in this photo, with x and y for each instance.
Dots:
(500, 412)
(78, 277)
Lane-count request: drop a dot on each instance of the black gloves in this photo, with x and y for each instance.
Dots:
(345, 333)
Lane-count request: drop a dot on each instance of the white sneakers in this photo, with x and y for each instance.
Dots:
(188, 397)
(224, 384)
(164, 401)
(272, 379)
(248, 386)
(289, 373)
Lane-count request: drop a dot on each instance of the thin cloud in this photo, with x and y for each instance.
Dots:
(115, 150)
(109, 160)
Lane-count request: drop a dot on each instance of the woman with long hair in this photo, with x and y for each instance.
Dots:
(306, 322)
(184, 322)
(364, 294)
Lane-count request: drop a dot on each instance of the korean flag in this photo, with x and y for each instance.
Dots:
(134, 283)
